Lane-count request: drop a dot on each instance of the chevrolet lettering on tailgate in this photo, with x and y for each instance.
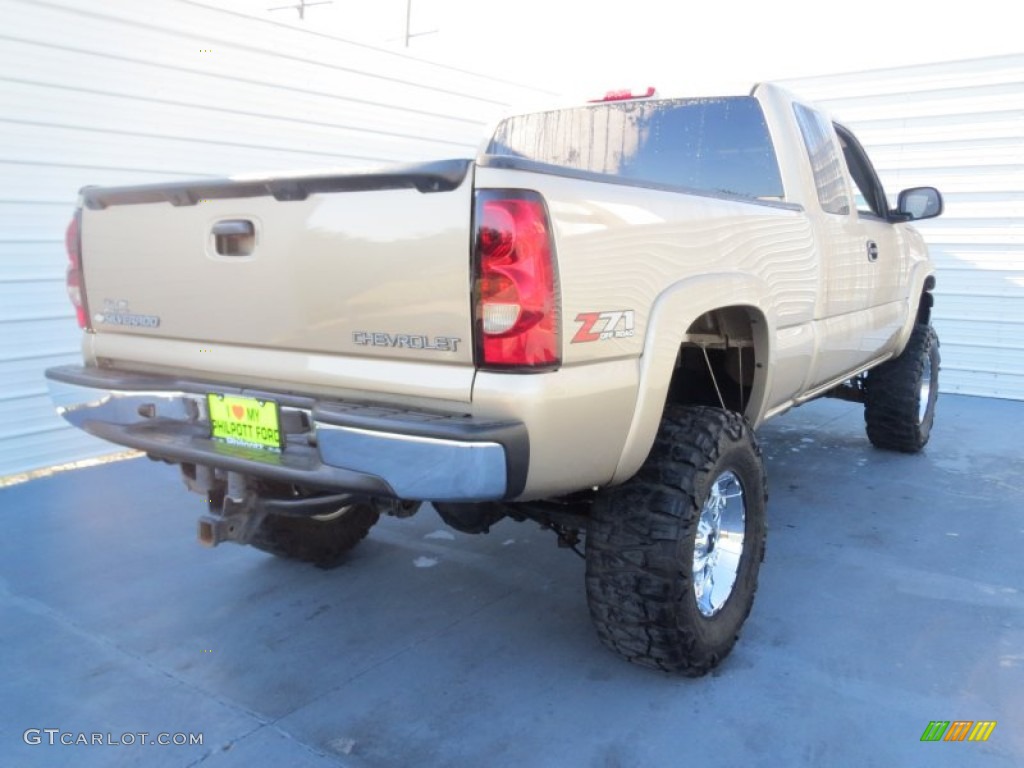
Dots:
(406, 341)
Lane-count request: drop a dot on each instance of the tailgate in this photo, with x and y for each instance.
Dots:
(371, 265)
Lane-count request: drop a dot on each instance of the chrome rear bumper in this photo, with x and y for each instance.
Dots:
(375, 450)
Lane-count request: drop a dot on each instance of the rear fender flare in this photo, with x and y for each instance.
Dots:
(674, 311)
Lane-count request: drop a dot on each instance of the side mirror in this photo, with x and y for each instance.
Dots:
(919, 203)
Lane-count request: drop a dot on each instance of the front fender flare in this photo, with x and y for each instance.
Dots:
(919, 275)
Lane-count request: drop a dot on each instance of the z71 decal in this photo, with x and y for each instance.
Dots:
(598, 326)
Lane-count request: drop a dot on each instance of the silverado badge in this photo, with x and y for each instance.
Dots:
(115, 312)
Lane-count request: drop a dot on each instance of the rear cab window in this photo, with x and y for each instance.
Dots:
(719, 145)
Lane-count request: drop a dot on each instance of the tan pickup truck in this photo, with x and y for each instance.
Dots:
(582, 326)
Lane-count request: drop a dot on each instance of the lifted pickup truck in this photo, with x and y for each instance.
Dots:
(582, 326)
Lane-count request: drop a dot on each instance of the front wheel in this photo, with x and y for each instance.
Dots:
(674, 553)
(900, 395)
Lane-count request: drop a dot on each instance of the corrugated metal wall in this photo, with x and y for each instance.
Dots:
(958, 126)
(123, 91)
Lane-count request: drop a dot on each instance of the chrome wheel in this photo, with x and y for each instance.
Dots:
(924, 394)
(719, 543)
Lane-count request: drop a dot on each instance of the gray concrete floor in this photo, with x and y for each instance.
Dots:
(890, 596)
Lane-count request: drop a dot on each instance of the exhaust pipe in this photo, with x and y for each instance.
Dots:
(241, 513)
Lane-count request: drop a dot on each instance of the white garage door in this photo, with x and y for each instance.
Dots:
(960, 127)
(123, 91)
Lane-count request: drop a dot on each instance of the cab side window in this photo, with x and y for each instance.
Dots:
(821, 149)
(870, 195)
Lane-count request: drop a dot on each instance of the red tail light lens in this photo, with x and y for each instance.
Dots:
(516, 287)
(75, 282)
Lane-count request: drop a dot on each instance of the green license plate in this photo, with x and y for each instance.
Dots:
(245, 421)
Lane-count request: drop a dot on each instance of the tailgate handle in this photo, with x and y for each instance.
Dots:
(234, 227)
(234, 237)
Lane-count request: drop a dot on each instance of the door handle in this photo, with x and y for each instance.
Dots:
(872, 250)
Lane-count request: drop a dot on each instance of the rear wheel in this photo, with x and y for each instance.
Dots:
(674, 553)
(900, 395)
(322, 540)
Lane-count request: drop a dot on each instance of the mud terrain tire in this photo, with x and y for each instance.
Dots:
(900, 395)
(642, 576)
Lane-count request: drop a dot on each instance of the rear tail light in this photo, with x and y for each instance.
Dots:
(75, 281)
(515, 291)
